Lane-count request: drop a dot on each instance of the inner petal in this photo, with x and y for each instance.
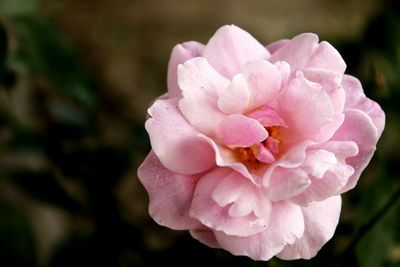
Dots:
(240, 131)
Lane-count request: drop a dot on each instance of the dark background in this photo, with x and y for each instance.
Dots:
(76, 78)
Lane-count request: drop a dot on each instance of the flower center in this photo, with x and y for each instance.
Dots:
(264, 152)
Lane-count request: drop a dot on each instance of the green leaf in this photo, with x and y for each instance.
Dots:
(17, 247)
(17, 7)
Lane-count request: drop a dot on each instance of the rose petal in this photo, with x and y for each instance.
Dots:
(331, 84)
(328, 58)
(297, 51)
(208, 212)
(206, 237)
(201, 88)
(170, 194)
(356, 99)
(236, 97)
(317, 231)
(275, 46)
(264, 82)
(267, 116)
(174, 140)
(303, 51)
(300, 103)
(335, 174)
(180, 54)
(285, 226)
(286, 183)
(292, 158)
(240, 131)
(358, 127)
(230, 48)
(225, 157)
(318, 162)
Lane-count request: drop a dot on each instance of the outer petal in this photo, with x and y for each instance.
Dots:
(230, 48)
(180, 54)
(286, 183)
(206, 237)
(356, 99)
(335, 173)
(170, 194)
(240, 131)
(303, 51)
(285, 226)
(264, 81)
(297, 51)
(317, 231)
(331, 83)
(328, 58)
(275, 46)
(206, 209)
(201, 88)
(174, 141)
(358, 127)
(308, 110)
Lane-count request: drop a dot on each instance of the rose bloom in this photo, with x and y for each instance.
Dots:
(252, 146)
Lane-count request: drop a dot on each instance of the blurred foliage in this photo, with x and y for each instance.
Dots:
(57, 156)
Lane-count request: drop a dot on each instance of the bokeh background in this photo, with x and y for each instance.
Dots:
(76, 78)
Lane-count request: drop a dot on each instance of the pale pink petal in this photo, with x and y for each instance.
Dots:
(225, 157)
(240, 208)
(240, 131)
(209, 213)
(299, 105)
(229, 189)
(331, 83)
(236, 97)
(286, 225)
(304, 51)
(328, 58)
(318, 161)
(286, 183)
(170, 194)
(262, 154)
(264, 82)
(201, 88)
(297, 51)
(180, 54)
(292, 158)
(284, 69)
(174, 141)
(206, 237)
(356, 99)
(320, 219)
(267, 116)
(230, 48)
(275, 46)
(358, 127)
(335, 173)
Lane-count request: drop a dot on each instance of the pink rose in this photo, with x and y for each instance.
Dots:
(253, 145)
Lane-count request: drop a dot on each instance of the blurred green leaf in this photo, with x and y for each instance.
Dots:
(17, 248)
(17, 7)
(48, 55)
(45, 187)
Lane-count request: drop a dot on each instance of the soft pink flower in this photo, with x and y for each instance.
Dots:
(253, 145)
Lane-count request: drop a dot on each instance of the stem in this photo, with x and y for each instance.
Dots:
(365, 228)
